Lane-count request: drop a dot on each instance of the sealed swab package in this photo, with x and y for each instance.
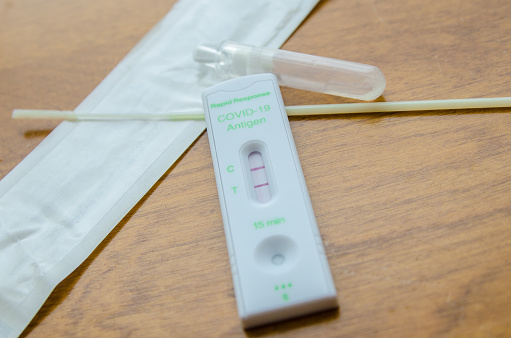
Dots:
(60, 202)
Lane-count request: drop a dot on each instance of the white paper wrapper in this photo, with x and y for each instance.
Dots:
(61, 201)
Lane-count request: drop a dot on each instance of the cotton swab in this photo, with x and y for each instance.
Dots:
(73, 116)
(385, 107)
(326, 109)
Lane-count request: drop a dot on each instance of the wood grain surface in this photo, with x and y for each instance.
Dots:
(414, 208)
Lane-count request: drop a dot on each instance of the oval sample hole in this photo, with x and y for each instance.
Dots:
(276, 254)
(277, 259)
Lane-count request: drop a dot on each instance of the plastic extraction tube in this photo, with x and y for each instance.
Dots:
(303, 71)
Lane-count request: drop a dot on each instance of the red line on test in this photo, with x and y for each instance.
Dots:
(258, 168)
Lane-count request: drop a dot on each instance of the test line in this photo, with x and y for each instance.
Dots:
(323, 109)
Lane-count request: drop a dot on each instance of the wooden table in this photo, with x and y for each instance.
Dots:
(414, 208)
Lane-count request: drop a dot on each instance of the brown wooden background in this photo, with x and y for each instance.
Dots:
(414, 208)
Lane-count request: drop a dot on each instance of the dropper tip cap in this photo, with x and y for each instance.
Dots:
(205, 53)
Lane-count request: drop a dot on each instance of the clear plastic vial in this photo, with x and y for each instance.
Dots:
(303, 71)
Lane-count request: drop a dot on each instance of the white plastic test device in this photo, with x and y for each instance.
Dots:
(278, 262)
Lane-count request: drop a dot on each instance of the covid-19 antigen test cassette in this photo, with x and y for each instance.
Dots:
(278, 262)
